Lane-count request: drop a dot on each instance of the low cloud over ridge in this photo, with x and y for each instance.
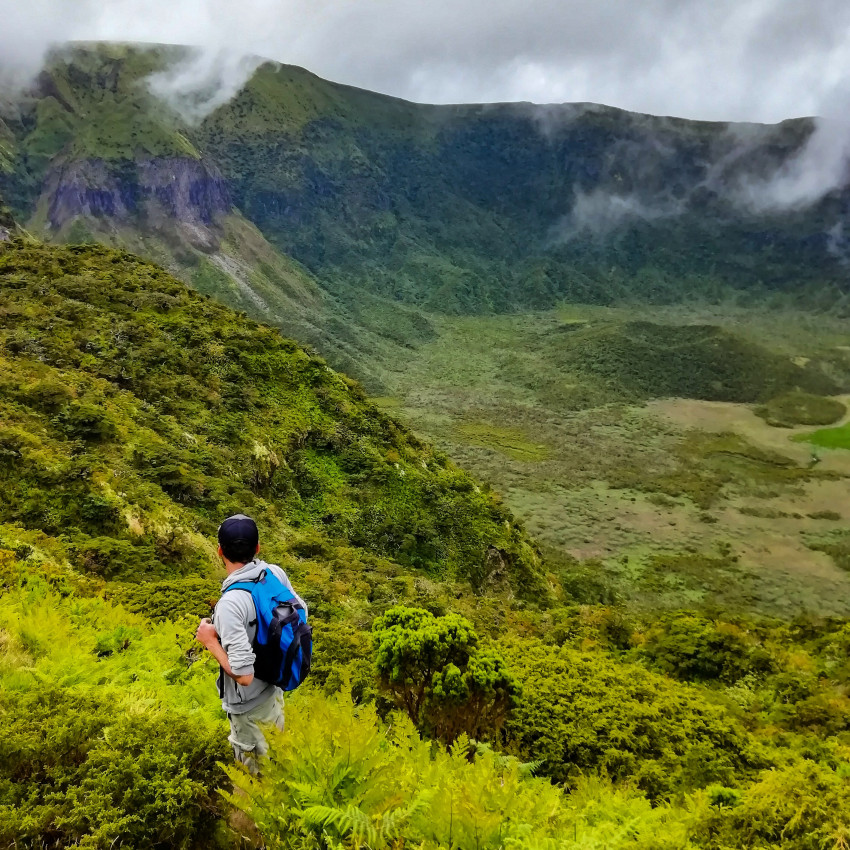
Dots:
(730, 60)
(757, 60)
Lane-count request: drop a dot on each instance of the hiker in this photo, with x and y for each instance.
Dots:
(247, 684)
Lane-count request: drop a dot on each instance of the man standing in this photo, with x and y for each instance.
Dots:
(230, 637)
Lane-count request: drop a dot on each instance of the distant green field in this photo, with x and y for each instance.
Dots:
(509, 441)
(828, 438)
(554, 417)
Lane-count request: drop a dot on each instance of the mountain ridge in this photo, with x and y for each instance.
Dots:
(452, 208)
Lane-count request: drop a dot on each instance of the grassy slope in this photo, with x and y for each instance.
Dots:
(695, 501)
(138, 413)
(249, 274)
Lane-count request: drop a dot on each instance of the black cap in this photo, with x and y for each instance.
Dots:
(239, 532)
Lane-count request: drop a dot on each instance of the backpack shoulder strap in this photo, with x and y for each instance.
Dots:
(248, 584)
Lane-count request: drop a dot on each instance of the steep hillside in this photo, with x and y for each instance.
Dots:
(474, 208)
(137, 413)
(6, 221)
(457, 209)
(92, 156)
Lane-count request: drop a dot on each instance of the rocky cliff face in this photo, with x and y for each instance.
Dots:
(157, 192)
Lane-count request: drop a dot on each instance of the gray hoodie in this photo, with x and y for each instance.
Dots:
(235, 621)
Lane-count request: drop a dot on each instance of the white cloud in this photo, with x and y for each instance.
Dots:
(758, 60)
(203, 81)
(821, 165)
(599, 212)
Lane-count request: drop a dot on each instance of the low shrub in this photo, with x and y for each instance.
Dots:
(584, 712)
(800, 807)
(694, 648)
(168, 600)
(76, 771)
(798, 408)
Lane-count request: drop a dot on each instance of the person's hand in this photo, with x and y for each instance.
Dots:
(206, 633)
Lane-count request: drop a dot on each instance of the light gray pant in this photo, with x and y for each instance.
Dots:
(246, 734)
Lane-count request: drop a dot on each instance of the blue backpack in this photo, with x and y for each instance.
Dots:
(284, 642)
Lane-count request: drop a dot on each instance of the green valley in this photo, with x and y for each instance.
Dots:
(550, 432)
(688, 500)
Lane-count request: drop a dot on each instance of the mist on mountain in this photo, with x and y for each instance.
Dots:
(821, 166)
(202, 81)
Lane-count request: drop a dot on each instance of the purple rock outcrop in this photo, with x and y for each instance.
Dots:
(159, 190)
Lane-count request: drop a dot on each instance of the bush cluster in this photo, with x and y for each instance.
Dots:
(438, 673)
(138, 413)
(584, 712)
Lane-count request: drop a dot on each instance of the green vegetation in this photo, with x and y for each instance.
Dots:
(122, 712)
(370, 785)
(627, 693)
(137, 413)
(436, 672)
(663, 503)
(638, 360)
(95, 108)
(829, 438)
(509, 441)
(835, 543)
(798, 408)
(582, 712)
(6, 221)
(107, 740)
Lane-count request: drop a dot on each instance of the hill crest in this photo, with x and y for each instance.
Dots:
(459, 209)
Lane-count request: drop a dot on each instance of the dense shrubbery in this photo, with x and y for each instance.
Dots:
(162, 600)
(93, 768)
(365, 784)
(111, 732)
(798, 408)
(138, 414)
(805, 806)
(644, 360)
(583, 712)
(439, 674)
(694, 648)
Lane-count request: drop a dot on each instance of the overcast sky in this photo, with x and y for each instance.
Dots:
(760, 60)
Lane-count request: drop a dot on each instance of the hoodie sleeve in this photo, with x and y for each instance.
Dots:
(232, 615)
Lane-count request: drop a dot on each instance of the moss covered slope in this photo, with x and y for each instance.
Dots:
(136, 414)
